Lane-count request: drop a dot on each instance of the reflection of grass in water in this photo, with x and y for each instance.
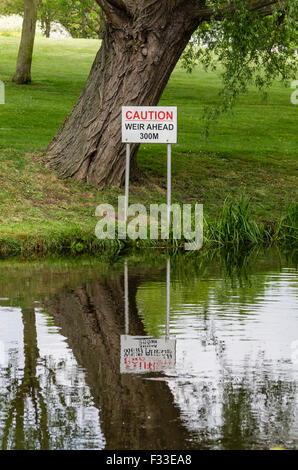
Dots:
(48, 276)
(49, 321)
(226, 277)
(256, 398)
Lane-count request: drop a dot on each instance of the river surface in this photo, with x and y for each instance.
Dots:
(176, 354)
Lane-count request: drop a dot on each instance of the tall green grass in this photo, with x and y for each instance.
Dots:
(286, 231)
(234, 225)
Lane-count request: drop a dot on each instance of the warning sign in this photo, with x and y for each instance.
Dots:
(145, 124)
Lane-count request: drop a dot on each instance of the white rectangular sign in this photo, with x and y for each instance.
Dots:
(141, 354)
(149, 124)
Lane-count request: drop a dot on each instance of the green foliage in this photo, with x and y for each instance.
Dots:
(11, 7)
(234, 225)
(287, 227)
(249, 47)
(9, 247)
(81, 18)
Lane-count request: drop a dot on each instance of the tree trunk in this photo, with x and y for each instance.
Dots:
(47, 27)
(132, 68)
(84, 28)
(23, 69)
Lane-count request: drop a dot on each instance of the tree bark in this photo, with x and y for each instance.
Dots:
(24, 61)
(139, 51)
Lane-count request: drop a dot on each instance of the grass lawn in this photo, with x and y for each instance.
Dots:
(253, 150)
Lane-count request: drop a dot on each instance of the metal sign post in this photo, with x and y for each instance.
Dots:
(168, 303)
(127, 181)
(169, 170)
(126, 303)
(144, 125)
(168, 298)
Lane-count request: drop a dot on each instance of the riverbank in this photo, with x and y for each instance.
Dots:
(251, 152)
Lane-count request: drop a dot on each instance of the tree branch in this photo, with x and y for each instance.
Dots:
(204, 13)
(115, 10)
(114, 3)
(134, 7)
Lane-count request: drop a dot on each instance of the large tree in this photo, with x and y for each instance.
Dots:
(143, 41)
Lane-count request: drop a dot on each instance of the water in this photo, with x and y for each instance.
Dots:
(218, 371)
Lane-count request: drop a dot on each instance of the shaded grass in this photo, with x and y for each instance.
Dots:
(252, 151)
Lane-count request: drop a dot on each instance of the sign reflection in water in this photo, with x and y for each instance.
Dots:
(141, 354)
(145, 354)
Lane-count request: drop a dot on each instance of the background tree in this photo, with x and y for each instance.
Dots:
(48, 12)
(24, 61)
(141, 46)
(24, 390)
(83, 19)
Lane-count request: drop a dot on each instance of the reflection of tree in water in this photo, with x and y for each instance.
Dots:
(25, 395)
(73, 420)
(253, 410)
(135, 413)
(258, 411)
(34, 403)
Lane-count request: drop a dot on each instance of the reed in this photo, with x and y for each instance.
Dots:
(234, 225)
